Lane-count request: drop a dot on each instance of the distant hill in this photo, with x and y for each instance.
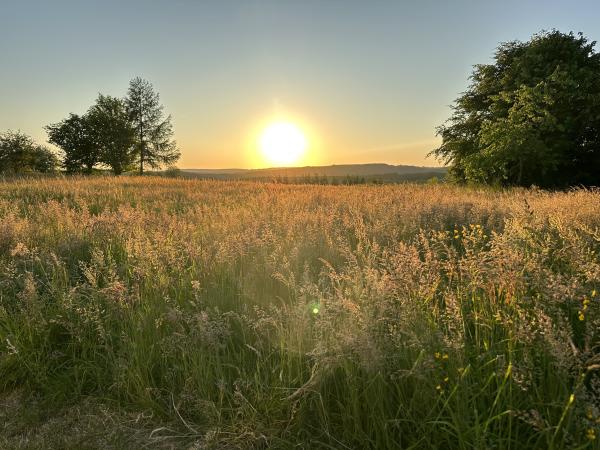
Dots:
(215, 171)
(371, 172)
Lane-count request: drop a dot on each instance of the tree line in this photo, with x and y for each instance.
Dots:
(532, 117)
(122, 134)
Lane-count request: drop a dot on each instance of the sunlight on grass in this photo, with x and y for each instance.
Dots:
(254, 315)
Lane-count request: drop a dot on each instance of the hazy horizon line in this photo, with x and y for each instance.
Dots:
(314, 165)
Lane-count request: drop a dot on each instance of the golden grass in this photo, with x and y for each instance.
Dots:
(255, 315)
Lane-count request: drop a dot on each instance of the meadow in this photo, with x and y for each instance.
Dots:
(145, 312)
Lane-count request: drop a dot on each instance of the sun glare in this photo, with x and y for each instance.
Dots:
(282, 143)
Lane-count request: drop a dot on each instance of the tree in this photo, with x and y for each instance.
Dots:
(20, 154)
(113, 133)
(75, 136)
(154, 133)
(531, 117)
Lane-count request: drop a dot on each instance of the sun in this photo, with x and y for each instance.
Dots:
(282, 143)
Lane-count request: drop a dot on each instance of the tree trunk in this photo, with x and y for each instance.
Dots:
(141, 138)
(141, 151)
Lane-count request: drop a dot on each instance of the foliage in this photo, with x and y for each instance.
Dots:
(75, 136)
(258, 315)
(154, 133)
(113, 133)
(20, 154)
(531, 117)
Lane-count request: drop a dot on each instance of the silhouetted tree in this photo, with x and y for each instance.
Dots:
(154, 133)
(112, 132)
(20, 154)
(76, 137)
(531, 117)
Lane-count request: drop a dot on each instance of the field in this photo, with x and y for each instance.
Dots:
(164, 313)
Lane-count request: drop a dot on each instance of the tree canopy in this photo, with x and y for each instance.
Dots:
(20, 154)
(75, 137)
(117, 132)
(113, 133)
(154, 132)
(531, 117)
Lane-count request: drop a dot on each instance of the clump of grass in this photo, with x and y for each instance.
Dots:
(254, 315)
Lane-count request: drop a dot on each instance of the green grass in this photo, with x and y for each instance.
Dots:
(253, 315)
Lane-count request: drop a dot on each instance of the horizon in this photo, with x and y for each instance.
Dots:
(357, 97)
(303, 166)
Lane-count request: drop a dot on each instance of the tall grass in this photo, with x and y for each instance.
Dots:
(254, 315)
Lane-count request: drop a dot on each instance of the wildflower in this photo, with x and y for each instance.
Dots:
(590, 434)
(581, 316)
(445, 356)
(589, 414)
(315, 310)
(593, 292)
(437, 355)
(446, 379)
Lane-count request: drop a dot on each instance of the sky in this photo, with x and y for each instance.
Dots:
(365, 81)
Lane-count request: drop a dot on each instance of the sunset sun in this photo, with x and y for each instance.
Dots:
(282, 143)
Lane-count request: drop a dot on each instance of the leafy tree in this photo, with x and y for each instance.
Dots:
(113, 133)
(154, 133)
(20, 154)
(531, 117)
(76, 137)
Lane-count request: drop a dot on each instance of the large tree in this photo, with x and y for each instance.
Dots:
(20, 154)
(75, 136)
(112, 132)
(154, 132)
(531, 117)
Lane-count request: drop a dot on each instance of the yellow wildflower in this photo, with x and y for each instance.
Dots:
(591, 434)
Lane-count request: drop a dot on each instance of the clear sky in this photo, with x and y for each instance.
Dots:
(366, 81)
